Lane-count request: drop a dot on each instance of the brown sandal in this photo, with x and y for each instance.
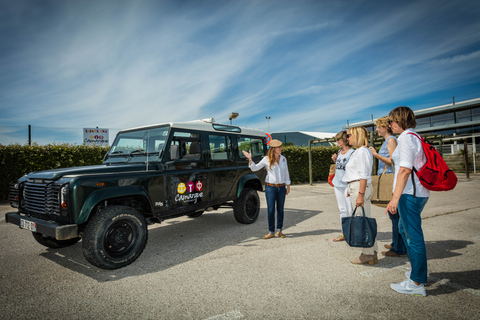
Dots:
(341, 238)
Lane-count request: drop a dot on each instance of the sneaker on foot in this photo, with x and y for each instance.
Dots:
(409, 287)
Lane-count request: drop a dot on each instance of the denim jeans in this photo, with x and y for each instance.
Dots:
(275, 195)
(398, 246)
(410, 227)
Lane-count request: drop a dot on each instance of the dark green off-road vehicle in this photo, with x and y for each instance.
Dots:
(149, 174)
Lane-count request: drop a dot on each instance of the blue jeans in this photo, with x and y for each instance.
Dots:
(398, 246)
(410, 227)
(275, 195)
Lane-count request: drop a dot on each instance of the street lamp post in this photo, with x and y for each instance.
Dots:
(268, 119)
(233, 115)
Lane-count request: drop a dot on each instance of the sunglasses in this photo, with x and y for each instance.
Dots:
(349, 135)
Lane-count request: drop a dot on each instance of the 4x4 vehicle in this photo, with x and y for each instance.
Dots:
(149, 174)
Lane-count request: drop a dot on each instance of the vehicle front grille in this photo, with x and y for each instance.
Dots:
(13, 195)
(42, 197)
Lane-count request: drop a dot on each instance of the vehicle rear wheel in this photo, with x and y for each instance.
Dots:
(52, 242)
(247, 207)
(115, 237)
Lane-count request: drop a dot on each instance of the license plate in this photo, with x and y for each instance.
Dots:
(28, 225)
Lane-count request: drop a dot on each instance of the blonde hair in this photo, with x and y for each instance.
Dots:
(343, 136)
(360, 136)
(384, 123)
(271, 156)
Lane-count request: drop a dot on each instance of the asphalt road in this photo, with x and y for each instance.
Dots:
(212, 267)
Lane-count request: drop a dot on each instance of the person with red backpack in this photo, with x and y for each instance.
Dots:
(409, 198)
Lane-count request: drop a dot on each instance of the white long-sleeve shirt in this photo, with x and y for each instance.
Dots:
(359, 166)
(277, 174)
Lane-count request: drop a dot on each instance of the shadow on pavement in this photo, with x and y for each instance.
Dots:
(449, 282)
(445, 249)
(177, 241)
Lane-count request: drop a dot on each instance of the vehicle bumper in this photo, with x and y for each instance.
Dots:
(47, 228)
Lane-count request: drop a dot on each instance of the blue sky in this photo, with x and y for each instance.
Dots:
(309, 65)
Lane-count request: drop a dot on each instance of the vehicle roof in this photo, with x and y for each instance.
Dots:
(202, 125)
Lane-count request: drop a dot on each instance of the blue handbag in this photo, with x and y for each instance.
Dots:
(359, 231)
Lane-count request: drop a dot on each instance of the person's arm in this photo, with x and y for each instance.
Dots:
(402, 179)
(361, 193)
(287, 177)
(251, 164)
(387, 161)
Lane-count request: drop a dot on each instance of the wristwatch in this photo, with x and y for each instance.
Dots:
(362, 193)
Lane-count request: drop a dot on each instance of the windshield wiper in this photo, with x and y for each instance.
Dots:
(136, 151)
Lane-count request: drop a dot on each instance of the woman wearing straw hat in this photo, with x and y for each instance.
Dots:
(277, 184)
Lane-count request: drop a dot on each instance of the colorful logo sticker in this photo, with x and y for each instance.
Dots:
(190, 186)
(199, 186)
(181, 188)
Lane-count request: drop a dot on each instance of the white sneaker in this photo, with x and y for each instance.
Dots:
(407, 286)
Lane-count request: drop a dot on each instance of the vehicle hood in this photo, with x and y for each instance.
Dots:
(55, 174)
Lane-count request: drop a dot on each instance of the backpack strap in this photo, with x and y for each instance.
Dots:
(413, 168)
(413, 181)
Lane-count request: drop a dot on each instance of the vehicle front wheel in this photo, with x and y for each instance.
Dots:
(115, 237)
(247, 207)
(52, 242)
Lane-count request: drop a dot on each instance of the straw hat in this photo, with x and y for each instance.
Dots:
(275, 143)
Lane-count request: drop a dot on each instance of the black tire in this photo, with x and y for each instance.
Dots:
(115, 237)
(195, 214)
(52, 242)
(247, 207)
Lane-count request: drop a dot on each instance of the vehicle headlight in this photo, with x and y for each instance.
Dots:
(63, 196)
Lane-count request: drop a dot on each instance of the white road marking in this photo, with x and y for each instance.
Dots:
(227, 316)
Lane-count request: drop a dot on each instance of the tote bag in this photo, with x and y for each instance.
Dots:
(382, 188)
(359, 231)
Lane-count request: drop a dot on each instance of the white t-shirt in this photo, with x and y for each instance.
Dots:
(278, 174)
(408, 154)
(340, 164)
(359, 166)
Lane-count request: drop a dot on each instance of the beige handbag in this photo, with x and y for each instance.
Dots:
(382, 188)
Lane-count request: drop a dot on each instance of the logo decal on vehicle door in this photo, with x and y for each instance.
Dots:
(181, 188)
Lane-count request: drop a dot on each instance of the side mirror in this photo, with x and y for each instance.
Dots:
(174, 152)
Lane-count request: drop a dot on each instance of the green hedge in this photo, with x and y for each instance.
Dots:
(297, 159)
(17, 160)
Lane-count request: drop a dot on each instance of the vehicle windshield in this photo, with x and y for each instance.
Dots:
(136, 146)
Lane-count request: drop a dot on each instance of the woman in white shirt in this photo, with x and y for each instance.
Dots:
(358, 176)
(341, 159)
(277, 184)
(409, 198)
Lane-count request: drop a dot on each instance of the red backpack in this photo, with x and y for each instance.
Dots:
(435, 175)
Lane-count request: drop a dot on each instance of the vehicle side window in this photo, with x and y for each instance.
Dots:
(220, 147)
(185, 146)
(255, 145)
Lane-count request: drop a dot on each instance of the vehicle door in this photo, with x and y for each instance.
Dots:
(223, 167)
(186, 173)
(257, 147)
